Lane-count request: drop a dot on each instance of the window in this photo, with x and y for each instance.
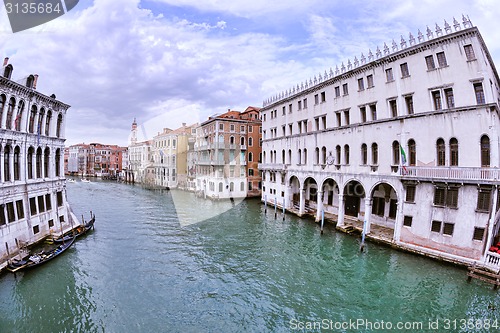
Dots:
(345, 89)
(337, 91)
(361, 85)
(231, 128)
(441, 59)
(317, 155)
(316, 99)
(346, 154)
(51, 223)
(393, 208)
(374, 154)
(450, 99)
(290, 109)
(478, 90)
(250, 172)
(436, 226)
(364, 154)
(407, 221)
(412, 151)
(41, 204)
(36, 229)
(373, 111)
(33, 210)
(469, 52)
(17, 166)
(409, 104)
(453, 152)
(6, 167)
(362, 111)
(39, 163)
(410, 193)
(11, 216)
(452, 197)
(304, 101)
(339, 118)
(46, 162)
(59, 199)
(2, 215)
(429, 60)
(485, 151)
(389, 75)
(323, 97)
(250, 141)
(404, 70)
(30, 162)
(483, 199)
(436, 98)
(337, 153)
(299, 105)
(346, 117)
(393, 107)
(221, 126)
(478, 234)
(20, 209)
(369, 80)
(441, 152)
(448, 228)
(439, 196)
(48, 202)
(395, 152)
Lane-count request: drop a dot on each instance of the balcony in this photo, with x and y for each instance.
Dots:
(462, 174)
(272, 166)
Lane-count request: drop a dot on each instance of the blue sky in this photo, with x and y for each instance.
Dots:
(166, 62)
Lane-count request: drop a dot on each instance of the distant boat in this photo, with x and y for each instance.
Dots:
(70, 180)
(85, 180)
(79, 231)
(39, 258)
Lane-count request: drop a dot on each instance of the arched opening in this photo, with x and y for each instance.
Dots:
(17, 164)
(412, 152)
(364, 154)
(384, 207)
(330, 191)
(6, 163)
(440, 152)
(395, 153)
(29, 158)
(31, 125)
(10, 113)
(310, 194)
(19, 117)
(453, 152)
(353, 193)
(485, 151)
(2, 105)
(46, 163)
(39, 163)
(295, 192)
(47, 123)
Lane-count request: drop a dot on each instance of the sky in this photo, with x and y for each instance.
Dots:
(168, 62)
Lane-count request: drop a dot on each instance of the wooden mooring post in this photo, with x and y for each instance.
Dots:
(483, 275)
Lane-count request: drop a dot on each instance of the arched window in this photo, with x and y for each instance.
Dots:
(485, 151)
(30, 81)
(395, 152)
(17, 165)
(250, 156)
(242, 141)
(300, 156)
(47, 123)
(19, 117)
(39, 129)
(31, 152)
(289, 156)
(374, 154)
(364, 154)
(264, 157)
(2, 105)
(305, 155)
(10, 113)
(441, 152)
(6, 163)
(283, 156)
(323, 155)
(250, 141)
(337, 154)
(59, 125)
(39, 163)
(231, 140)
(220, 187)
(453, 152)
(316, 154)
(242, 186)
(231, 187)
(346, 154)
(46, 163)
(31, 126)
(412, 152)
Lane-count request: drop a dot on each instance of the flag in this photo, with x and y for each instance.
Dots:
(403, 159)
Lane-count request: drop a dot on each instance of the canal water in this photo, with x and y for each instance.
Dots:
(241, 271)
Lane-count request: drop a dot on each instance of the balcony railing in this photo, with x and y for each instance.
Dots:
(493, 260)
(455, 173)
(272, 166)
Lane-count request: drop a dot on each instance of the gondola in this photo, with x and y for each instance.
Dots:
(40, 258)
(79, 231)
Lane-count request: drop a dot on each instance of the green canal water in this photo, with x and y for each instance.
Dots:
(242, 271)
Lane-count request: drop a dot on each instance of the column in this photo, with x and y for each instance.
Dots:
(302, 203)
(340, 216)
(288, 200)
(399, 222)
(368, 214)
(319, 206)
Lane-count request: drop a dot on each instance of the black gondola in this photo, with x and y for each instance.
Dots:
(40, 258)
(79, 231)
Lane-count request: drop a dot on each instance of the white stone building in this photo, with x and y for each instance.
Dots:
(405, 140)
(32, 184)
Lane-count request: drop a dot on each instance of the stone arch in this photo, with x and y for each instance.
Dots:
(353, 191)
(294, 184)
(330, 191)
(382, 207)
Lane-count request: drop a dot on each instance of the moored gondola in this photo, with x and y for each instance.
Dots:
(40, 258)
(79, 231)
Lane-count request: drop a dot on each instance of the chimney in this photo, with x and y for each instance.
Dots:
(34, 81)
(183, 124)
(5, 61)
